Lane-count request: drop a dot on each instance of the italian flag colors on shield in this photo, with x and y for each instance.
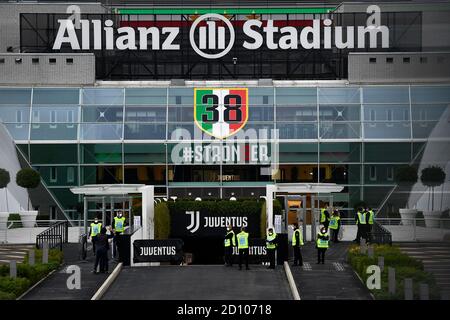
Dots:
(220, 112)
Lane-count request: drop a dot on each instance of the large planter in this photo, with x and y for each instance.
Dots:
(408, 216)
(4, 220)
(432, 219)
(28, 218)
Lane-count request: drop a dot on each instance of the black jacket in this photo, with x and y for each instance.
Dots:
(102, 241)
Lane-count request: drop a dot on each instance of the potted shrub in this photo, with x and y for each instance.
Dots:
(406, 176)
(4, 181)
(432, 177)
(29, 179)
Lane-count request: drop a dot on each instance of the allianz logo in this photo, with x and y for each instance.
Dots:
(214, 222)
(158, 251)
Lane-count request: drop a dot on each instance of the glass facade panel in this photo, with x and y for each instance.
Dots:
(145, 131)
(101, 153)
(18, 131)
(57, 131)
(297, 113)
(145, 153)
(15, 113)
(183, 96)
(340, 130)
(296, 96)
(298, 152)
(102, 114)
(57, 96)
(387, 152)
(430, 94)
(384, 94)
(339, 95)
(297, 130)
(15, 96)
(103, 96)
(340, 152)
(101, 131)
(145, 114)
(53, 154)
(260, 96)
(339, 113)
(146, 96)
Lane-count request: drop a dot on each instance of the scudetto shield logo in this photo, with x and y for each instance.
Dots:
(220, 112)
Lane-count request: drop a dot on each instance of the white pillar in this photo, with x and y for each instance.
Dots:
(148, 212)
(270, 191)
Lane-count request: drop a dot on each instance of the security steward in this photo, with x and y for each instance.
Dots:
(361, 222)
(335, 225)
(324, 217)
(242, 239)
(271, 246)
(322, 245)
(230, 243)
(118, 229)
(370, 221)
(297, 241)
(94, 230)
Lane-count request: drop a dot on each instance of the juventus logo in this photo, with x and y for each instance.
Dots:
(195, 221)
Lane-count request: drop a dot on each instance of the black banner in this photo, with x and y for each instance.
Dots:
(201, 223)
(158, 250)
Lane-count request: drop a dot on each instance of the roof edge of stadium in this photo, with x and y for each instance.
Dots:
(222, 10)
(221, 83)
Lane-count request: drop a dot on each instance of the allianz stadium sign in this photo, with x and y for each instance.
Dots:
(213, 36)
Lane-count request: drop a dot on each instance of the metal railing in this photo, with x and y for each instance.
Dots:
(380, 234)
(55, 236)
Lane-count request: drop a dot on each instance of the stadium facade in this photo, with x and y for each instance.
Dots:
(107, 96)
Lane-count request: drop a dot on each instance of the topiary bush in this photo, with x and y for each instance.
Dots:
(406, 175)
(5, 179)
(162, 221)
(28, 178)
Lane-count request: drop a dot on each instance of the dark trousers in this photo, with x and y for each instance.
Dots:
(334, 234)
(368, 232)
(94, 240)
(362, 232)
(243, 254)
(101, 258)
(116, 245)
(298, 259)
(271, 256)
(326, 224)
(321, 255)
(229, 255)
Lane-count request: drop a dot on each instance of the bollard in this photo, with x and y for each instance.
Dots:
(31, 257)
(45, 253)
(424, 292)
(381, 263)
(391, 280)
(362, 246)
(13, 269)
(370, 251)
(408, 284)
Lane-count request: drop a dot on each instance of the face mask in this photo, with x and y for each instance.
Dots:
(228, 229)
(96, 221)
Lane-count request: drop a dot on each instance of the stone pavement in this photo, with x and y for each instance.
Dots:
(201, 282)
(436, 260)
(10, 252)
(55, 287)
(334, 280)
